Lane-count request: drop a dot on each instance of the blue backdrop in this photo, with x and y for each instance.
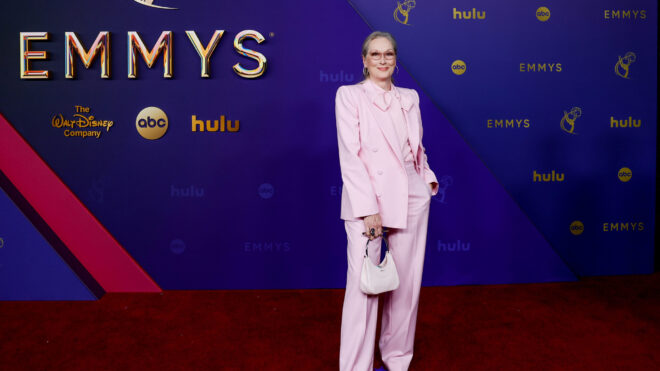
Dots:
(259, 208)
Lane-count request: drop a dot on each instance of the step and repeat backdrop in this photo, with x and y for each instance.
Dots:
(200, 137)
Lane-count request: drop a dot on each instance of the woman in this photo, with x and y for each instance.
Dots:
(386, 183)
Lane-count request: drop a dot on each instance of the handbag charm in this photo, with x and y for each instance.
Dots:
(376, 279)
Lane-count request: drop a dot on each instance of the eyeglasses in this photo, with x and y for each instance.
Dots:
(376, 56)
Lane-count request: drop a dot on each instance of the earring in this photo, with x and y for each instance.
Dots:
(397, 69)
(365, 71)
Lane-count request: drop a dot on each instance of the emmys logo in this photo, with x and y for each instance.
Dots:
(215, 125)
(624, 174)
(151, 4)
(82, 125)
(402, 10)
(137, 50)
(540, 67)
(151, 123)
(576, 228)
(567, 122)
(542, 14)
(507, 123)
(458, 67)
(470, 14)
(624, 14)
(623, 227)
(2, 243)
(622, 66)
(547, 177)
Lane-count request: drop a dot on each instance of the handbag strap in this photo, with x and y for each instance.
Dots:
(387, 245)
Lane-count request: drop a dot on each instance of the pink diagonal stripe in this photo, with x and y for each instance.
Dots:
(103, 257)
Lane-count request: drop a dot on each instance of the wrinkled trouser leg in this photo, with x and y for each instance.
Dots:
(408, 245)
(360, 311)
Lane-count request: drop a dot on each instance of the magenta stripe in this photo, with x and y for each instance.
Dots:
(103, 257)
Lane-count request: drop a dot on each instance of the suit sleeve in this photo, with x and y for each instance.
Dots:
(357, 184)
(429, 175)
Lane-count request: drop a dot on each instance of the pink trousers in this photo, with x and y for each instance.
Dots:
(360, 311)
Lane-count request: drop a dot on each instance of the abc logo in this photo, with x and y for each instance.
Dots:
(543, 14)
(458, 67)
(151, 123)
(624, 174)
(577, 227)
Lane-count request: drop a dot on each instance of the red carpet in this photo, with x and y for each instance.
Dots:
(599, 323)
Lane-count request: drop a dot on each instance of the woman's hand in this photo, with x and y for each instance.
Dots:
(373, 222)
(432, 185)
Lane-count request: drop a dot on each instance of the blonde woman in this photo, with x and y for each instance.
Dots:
(387, 182)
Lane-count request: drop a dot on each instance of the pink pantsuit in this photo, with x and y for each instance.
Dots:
(384, 170)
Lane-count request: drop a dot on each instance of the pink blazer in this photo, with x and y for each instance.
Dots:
(372, 169)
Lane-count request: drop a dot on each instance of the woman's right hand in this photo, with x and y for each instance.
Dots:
(373, 221)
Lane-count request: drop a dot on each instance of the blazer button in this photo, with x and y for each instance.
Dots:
(380, 172)
(375, 149)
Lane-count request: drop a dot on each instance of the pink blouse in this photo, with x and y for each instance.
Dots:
(396, 119)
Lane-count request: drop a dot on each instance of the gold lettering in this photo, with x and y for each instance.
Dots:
(260, 58)
(205, 52)
(164, 44)
(27, 55)
(101, 44)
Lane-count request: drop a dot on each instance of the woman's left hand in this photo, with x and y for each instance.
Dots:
(432, 185)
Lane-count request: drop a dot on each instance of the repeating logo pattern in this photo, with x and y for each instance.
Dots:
(543, 14)
(576, 228)
(402, 10)
(458, 67)
(622, 66)
(152, 123)
(567, 122)
(624, 174)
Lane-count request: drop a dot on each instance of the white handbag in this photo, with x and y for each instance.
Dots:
(376, 279)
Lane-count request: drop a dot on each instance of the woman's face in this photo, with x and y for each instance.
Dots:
(380, 59)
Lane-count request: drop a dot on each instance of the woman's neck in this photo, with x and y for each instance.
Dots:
(383, 84)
